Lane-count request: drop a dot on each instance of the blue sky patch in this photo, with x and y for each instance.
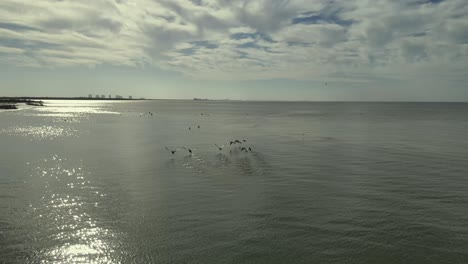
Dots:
(250, 45)
(28, 45)
(16, 27)
(197, 46)
(256, 35)
(312, 17)
(205, 44)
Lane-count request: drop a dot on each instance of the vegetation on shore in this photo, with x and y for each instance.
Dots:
(10, 103)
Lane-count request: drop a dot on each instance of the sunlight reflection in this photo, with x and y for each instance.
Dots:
(78, 107)
(41, 132)
(66, 210)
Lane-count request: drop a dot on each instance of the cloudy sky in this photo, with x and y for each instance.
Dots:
(386, 50)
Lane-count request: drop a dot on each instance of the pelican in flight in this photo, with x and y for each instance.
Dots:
(220, 148)
(172, 151)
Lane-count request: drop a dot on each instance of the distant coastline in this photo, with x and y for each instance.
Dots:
(206, 99)
(10, 103)
(22, 99)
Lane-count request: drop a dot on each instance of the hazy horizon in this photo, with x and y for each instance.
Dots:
(412, 50)
(124, 98)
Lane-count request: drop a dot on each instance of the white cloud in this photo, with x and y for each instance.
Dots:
(358, 40)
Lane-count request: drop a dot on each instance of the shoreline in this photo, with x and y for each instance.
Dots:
(8, 107)
(11, 103)
(27, 98)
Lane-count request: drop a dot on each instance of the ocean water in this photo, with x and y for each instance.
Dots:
(92, 182)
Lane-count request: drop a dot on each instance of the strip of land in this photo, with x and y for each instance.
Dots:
(8, 103)
(8, 107)
(63, 98)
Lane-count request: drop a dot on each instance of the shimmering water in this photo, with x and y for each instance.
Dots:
(91, 181)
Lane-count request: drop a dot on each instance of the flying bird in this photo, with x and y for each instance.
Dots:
(220, 148)
(172, 151)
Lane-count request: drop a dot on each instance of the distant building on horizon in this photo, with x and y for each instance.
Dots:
(97, 96)
(110, 96)
(130, 97)
(118, 97)
(103, 97)
(90, 96)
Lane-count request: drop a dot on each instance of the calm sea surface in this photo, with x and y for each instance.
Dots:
(92, 181)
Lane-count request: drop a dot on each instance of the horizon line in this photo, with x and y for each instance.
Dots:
(206, 99)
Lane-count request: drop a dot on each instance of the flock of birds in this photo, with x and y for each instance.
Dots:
(147, 114)
(237, 143)
(233, 145)
(246, 149)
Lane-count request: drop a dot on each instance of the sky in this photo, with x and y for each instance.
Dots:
(332, 50)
